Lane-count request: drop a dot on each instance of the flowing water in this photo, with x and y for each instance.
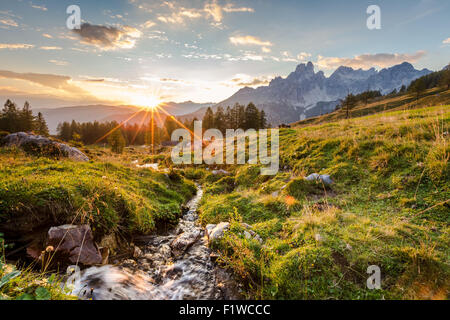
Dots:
(172, 266)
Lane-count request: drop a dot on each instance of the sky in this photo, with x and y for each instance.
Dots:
(145, 52)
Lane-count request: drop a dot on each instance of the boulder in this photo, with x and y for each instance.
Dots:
(218, 231)
(43, 146)
(215, 232)
(181, 243)
(74, 244)
(325, 178)
(137, 252)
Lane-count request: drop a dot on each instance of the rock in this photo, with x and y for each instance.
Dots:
(41, 145)
(318, 237)
(165, 251)
(209, 228)
(137, 252)
(245, 226)
(215, 232)
(326, 179)
(181, 243)
(218, 231)
(148, 256)
(74, 244)
(129, 263)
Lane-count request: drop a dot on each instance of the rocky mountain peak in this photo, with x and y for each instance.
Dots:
(305, 68)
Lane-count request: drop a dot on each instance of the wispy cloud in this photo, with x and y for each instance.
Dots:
(108, 37)
(35, 6)
(63, 83)
(243, 80)
(148, 24)
(9, 22)
(15, 46)
(50, 48)
(446, 41)
(211, 10)
(60, 63)
(250, 40)
(365, 61)
(303, 56)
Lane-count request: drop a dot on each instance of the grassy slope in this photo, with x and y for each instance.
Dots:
(110, 195)
(432, 97)
(108, 192)
(386, 208)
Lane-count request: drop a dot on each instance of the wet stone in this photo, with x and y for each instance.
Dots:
(174, 266)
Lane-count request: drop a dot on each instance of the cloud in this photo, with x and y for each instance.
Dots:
(50, 48)
(366, 61)
(42, 8)
(48, 36)
(303, 56)
(250, 40)
(446, 41)
(245, 80)
(215, 11)
(9, 22)
(59, 62)
(108, 37)
(15, 46)
(63, 83)
(211, 10)
(148, 24)
(231, 8)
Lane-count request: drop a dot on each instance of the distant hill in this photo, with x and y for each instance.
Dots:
(105, 113)
(306, 93)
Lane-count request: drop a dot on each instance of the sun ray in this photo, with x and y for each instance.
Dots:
(179, 123)
(140, 126)
(118, 126)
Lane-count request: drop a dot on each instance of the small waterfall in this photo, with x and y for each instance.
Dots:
(174, 266)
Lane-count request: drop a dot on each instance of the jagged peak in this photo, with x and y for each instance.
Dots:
(305, 67)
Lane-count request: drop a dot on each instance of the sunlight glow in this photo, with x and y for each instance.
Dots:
(148, 102)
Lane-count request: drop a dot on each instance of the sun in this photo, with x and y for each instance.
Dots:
(148, 102)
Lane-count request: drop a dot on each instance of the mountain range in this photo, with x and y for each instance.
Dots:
(302, 94)
(305, 93)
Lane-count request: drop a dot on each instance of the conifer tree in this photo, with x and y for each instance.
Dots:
(116, 141)
(40, 126)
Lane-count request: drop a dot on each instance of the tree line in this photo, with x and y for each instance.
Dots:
(98, 132)
(120, 135)
(14, 119)
(236, 117)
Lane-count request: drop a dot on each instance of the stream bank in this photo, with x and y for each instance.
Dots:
(174, 266)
